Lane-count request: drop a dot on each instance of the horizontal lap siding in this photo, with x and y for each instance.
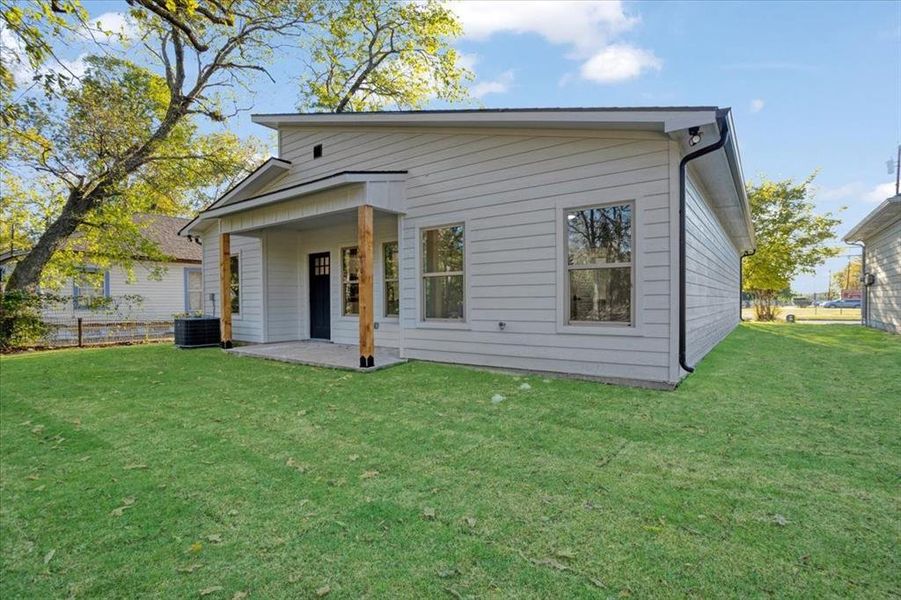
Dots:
(248, 325)
(161, 298)
(282, 286)
(884, 261)
(711, 277)
(505, 185)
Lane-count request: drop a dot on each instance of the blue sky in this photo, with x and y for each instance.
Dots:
(814, 86)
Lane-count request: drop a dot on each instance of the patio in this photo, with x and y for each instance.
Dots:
(320, 354)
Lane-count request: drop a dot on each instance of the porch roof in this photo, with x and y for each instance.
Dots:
(374, 194)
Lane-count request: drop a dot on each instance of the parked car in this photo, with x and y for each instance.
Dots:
(842, 304)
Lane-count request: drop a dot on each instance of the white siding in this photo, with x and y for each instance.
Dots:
(248, 325)
(884, 261)
(711, 276)
(282, 286)
(507, 187)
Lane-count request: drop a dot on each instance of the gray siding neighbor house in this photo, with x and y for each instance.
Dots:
(535, 239)
(880, 233)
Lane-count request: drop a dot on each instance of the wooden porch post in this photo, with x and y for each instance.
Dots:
(365, 250)
(225, 296)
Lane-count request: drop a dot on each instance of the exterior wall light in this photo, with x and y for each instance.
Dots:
(694, 136)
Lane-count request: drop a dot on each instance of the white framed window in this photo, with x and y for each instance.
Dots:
(193, 290)
(89, 288)
(391, 279)
(599, 278)
(442, 273)
(350, 281)
(235, 283)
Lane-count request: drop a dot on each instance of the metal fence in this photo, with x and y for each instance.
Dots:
(116, 320)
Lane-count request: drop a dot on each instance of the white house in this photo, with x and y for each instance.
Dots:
(537, 239)
(154, 292)
(880, 234)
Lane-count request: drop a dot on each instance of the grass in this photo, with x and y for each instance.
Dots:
(149, 471)
(811, 313)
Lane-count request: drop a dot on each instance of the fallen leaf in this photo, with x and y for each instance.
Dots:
(323, 591)
(49, 556)
(597, 582)
(565, 553)
(84, 458)
(369, 474)
(40, 488)
(214, 538)
(33, 477)
(550, 562)
(451, 572)
(354, 457)
(128, 500)
(525, 386)
(497, 399)
(239, 596)
(211, 590)
(294, 577)
(189, 568)
(780, 520)
(126, 504)
(428, 513)
(196, 547)
(296, 465)
(37, 429)
(232, 512)
(470, 521)
(133, 467)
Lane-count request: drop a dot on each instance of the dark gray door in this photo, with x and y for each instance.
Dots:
(320, 287)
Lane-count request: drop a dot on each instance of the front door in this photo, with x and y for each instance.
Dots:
(320, 290)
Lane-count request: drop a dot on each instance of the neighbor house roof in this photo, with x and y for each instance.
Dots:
(163, 231)
(882, 216)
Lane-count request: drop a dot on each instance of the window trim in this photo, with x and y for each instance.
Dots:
(636, 325)
(187, 278)
(341, 282)
(422, 274)
(385, 280)
(76, 289)
(240, 256)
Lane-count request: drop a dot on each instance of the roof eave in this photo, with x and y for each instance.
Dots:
(863, 229)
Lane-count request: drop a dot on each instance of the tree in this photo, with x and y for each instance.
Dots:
(849, 277)
(375, 53)
(791, 240)
(127, 133)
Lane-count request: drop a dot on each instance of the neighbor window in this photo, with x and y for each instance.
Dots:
(193, 290)
(235, 283)
(392, 297)
(599, 264)
(89, 288)
(350, 281)
(442, 272)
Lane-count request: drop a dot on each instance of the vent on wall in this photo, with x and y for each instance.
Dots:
(317, 151)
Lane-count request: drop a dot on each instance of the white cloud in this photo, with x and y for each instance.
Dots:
(880, 192)
(12, 54)
(109, 27)
(467, 60)
(619, 62)
(496, 86)
(589, 30)
(757, 105)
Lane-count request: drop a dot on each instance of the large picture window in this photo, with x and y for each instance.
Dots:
(442, 273)
(599, 264)
(390, 274)
(235, 283)
(350, 281)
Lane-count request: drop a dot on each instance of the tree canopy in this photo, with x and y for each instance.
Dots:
(791, 239)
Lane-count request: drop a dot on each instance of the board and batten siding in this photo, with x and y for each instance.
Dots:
(884, 262)
(509, 188)
(711, 276)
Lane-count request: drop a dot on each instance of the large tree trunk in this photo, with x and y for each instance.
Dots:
(27, 273)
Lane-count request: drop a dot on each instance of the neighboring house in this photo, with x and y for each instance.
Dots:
(538, 239)
(144, 297)
(880, 233)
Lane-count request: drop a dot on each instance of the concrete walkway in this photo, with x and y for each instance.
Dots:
(320, 354)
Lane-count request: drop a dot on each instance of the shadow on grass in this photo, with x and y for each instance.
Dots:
(853, 339)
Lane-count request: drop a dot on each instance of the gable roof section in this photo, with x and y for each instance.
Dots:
(266, 173)
(163, 231)
(879, 218)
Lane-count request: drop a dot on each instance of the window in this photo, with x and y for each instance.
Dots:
(392, 297)
(442, 273)
(350, 281)
(193, 290)
(599, 264)
(235, 266)
(89, 288)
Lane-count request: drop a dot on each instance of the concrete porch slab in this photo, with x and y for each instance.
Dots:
(320, 354)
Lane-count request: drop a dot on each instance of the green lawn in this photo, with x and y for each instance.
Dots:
(772, 471)
(811, 313)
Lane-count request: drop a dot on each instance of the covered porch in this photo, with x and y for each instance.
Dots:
(320, 354)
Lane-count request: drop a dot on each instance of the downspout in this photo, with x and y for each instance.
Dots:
(741, 280)
(865, 289)
(724, 135)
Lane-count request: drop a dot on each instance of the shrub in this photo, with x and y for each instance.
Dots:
(21, 323)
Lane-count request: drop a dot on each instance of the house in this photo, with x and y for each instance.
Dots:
(536, 239)
(880, 234)
(155, 292)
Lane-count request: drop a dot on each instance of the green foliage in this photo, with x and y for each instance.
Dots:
(21, 324)
(848, 278)
(791, 240)
(372, 54)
